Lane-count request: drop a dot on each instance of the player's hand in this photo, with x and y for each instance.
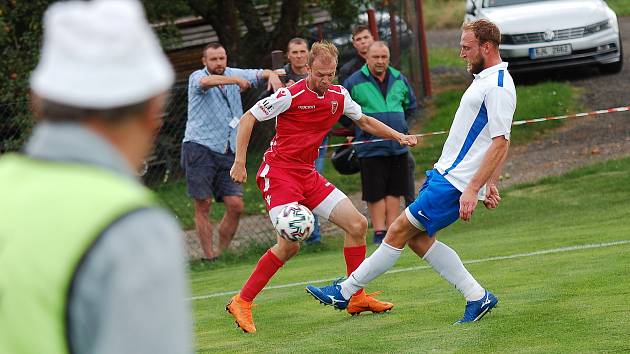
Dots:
(467, 204)
(492, 197)
(243, 84)
(274, 82)
(408, 140)
(289, 83)
(238, 172)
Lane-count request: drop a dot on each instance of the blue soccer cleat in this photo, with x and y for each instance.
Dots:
(329, 295)
(475, 310)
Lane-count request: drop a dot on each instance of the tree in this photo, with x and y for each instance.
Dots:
(21, 34)
(245, 48)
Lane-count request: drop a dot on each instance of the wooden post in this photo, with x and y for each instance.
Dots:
(372, 23)
(424, 57)
(395, 43)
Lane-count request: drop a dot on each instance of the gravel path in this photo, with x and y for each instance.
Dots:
(577, 143)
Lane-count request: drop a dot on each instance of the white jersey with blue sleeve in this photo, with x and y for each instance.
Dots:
(485, 112)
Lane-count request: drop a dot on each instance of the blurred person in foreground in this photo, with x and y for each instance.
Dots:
(214, 109)
(89, 263)
(466, 172)
(304, 114)
(384, 93)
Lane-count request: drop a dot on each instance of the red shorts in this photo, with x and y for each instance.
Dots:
(281, 186)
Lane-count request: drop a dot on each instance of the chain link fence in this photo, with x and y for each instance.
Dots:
(163, 172)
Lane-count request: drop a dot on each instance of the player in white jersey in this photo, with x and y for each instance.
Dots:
(466, 172)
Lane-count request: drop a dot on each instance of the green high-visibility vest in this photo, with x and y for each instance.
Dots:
(51, 213)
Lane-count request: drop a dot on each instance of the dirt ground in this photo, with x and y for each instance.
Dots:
(577, 143)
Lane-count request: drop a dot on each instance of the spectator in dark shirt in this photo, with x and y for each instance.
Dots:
(297, 67)
(386, 94)
(361, 40)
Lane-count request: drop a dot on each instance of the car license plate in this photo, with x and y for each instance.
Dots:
(554, 51)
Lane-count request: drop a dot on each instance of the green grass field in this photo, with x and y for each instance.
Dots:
(563, 300)
(621, 7)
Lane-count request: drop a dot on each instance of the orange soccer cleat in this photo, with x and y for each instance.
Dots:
(366, 302)
(241, 310)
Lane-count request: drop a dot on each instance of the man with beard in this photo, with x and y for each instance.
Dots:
(214, 109)
(466, 172)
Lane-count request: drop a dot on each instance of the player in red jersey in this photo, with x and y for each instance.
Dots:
(305, 113)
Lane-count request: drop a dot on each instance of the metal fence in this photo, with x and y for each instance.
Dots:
(163, 172)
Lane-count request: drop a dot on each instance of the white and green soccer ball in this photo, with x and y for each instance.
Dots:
(295, 222)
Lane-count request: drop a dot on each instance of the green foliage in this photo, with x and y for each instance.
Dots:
(621, 7)
(20, 33)
(445, 57)
(546, 301)
(443, 13)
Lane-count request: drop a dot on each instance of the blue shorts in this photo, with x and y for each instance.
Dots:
(208, 173)
(436, 206)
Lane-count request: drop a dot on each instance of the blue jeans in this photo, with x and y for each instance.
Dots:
(319, 166)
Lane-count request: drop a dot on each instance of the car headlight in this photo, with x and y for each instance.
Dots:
(597, 27)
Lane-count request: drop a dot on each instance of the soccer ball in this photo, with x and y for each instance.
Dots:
(295, 222)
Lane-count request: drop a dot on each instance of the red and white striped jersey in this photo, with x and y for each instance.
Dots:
(303, 119)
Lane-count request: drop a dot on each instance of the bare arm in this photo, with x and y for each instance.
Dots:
(492, 161)
(207, 82)
(238, 172)
(378, 128)
(273, 81)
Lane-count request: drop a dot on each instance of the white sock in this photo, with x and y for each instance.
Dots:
(445, 261)
(378, 263)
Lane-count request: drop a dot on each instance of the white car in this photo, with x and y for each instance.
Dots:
(549, 34)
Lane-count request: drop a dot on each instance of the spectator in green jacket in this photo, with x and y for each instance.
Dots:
(384, 93)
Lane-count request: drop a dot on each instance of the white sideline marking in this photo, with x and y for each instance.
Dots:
(497, 258)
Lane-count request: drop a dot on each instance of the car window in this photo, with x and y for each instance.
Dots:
(496, 3)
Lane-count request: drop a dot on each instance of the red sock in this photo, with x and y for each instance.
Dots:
(267, 266)
(354, 256)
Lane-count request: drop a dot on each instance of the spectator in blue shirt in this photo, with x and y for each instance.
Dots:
(214, 109)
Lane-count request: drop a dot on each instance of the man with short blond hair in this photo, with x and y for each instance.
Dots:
(304, 113)
(466, 172)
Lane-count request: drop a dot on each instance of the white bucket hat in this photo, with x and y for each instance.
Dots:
(100, 54)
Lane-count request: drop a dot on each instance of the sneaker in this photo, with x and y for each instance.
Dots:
(366, 302)
(329, 295)
(378, 237)
(241, 310)
(475, 310)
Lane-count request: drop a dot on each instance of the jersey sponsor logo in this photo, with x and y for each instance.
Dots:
(306, 107)
(333, 106)
(281, 93)
(265, 106)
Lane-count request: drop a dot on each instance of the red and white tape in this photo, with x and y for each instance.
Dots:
(518, 122)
